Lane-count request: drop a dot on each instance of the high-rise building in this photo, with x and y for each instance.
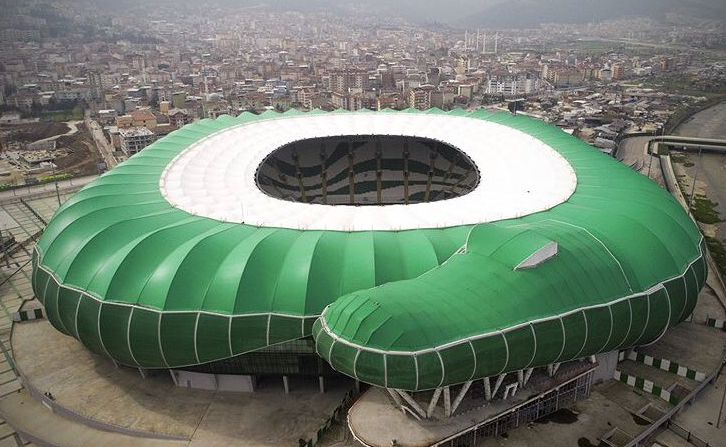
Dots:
(342, 81)
(425, 97)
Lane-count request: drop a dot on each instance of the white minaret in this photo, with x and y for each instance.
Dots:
(466, 39)
(477, 39)
(496, 42)
(484, 44)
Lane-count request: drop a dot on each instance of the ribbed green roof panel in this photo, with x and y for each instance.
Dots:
(144, 282)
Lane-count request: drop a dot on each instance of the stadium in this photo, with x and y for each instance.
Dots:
(438, 253)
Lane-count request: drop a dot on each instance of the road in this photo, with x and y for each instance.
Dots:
(11, 195)
(711, 180)
(632, 152)
(710, 123)
(103, 146)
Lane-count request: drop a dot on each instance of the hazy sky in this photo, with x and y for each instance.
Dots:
(486, 13)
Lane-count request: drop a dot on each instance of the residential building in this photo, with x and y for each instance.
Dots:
(134, 139)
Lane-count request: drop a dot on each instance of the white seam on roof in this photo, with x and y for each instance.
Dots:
(647, 320)
(610, 334)
(75, 319)
(57, 307)
(355, 362)
(98, 327)
(630, 326)
(443, 368)
(584, 339)
(564, 340)
(161, 345)
(625, 277)
(473, 352)
(534, 351)
(196, 327)
(128, 337)
(668, 323)
(229, 336)
(685, 297)
(506, 350)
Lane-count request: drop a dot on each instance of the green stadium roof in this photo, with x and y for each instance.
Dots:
(155, 285)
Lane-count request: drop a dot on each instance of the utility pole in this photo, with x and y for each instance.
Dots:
(720, 410)
(57, 192)
(660, 130)
(5, 253)
(695, 177)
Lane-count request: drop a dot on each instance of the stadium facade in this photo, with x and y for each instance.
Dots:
(409, 250)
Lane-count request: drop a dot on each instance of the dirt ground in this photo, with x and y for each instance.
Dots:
(82, 156)
(32, 132)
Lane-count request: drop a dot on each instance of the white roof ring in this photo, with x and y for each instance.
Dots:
(216, 176)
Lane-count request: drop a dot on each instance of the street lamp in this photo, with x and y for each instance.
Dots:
(660, 129)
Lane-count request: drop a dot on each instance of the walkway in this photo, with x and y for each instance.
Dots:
(36, 422)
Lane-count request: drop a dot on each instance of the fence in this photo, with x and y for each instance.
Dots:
(563, 396)
(688, 436)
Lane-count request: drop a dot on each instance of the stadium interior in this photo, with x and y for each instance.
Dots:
(367, 170)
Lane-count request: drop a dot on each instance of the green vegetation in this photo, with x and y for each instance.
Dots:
(676, 157)
(683, 84)
(704, 210)
(4, 186)
(54, 178)
(718, 253)
(60, 116)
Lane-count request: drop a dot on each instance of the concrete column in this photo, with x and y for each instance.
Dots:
(396, 397)
(487, 389)
(500, 379)
(460, 397)
(432, 404)
(173, 377)
(357, 385)
(520, 377)
(447, 402)
(527, 375)
(321, 383)
(416, 407)
(286, 384)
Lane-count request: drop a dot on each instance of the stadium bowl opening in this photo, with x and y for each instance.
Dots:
(270, 173)
(367, 170)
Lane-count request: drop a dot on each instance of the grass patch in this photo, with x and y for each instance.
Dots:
(718, 253)
(678, 157)
(61, 116)
(704, 210)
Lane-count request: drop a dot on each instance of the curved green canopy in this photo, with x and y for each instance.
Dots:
(133, 278)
